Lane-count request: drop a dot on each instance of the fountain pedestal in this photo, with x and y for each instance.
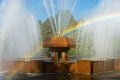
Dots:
(59, 47)
(59, 54)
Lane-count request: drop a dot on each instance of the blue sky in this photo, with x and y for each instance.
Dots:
(82, 8)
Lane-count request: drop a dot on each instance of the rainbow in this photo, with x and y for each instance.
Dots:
(12, 74)
(90, 21)
(67, 31)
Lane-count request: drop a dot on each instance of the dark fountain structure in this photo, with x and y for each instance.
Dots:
(59, 63)
(59, 47)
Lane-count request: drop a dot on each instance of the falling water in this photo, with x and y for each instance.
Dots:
(103, 34)
(61, 11)
(106, 38)
(19, 35)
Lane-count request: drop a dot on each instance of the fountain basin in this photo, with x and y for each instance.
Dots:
(77, 67)
(97, 66)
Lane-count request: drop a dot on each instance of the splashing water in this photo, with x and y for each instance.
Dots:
(62, 8)
(19, 35)
(102, 36)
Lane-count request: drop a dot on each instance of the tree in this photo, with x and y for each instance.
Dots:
(46, 27)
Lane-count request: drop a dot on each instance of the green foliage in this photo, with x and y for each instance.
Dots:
(46, 29)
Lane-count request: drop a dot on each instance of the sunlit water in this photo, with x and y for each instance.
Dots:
(19, 32)
(61, 11)
(97, 40)
(100, 39)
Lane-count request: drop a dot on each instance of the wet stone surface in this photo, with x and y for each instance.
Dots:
(102, 76)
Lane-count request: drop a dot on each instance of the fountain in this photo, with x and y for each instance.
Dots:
(98, 53)
(102, 53)
(19, 35)
(100, 35)
(59, 47)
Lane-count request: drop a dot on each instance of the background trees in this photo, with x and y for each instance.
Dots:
(46, 31)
